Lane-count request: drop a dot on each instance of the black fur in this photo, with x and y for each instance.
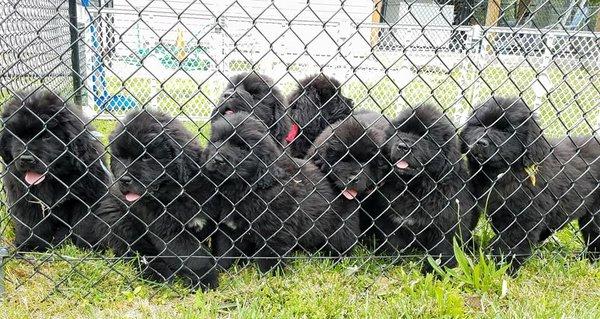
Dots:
(256, 94)
(316, 104)
(428, 202)
(350, 154)
(502, 139)
(155, 161)
(281, 204)
(44, 135)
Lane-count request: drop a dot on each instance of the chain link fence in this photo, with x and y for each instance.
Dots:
(226, 148)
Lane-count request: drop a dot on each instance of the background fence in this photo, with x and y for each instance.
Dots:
(177, 55)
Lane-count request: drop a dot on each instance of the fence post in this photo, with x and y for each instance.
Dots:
(471, 36)
(542, 83)
(493, 13)
(75, 63)
(478, 51)
(3, 254)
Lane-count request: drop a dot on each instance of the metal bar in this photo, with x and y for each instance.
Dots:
(3, 253)
(75, 63)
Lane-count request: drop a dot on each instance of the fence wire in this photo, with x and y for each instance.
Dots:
(180, 141)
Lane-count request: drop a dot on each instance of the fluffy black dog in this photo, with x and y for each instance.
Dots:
(350, 154)
(155, 161)
(316, 104)
(428, 202)
(257, 94)
(281, 204)
(54, 172)
(532, 186)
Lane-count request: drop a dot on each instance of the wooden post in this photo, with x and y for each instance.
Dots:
(597, 28)
(493, 13)
(376, 18)
(522, 10)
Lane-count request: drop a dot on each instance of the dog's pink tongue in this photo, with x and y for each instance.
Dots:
(132, 197)
(228, 112)
(350, 193)
(33, 178)
(402, 164)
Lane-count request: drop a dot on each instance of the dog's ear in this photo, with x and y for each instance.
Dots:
(536, 147)
(281, 118)
(184, 168)
(188, 167)
(83, 145)
(318, 161)
(49, 120)
(267, 172)
(464, 147)
(306, 108)
(84, 151)
(5, 151)
(182, 164)
(441, 165)
(381, 164)
(5, 137)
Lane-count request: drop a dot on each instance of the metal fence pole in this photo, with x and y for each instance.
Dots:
(3, 253)
(75, 63)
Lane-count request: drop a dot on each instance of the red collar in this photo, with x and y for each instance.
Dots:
(293, 133)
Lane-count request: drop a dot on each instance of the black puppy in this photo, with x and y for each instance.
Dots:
(257, 94)
(54, 171)
(155, 162)
(529, 186)
(281, 204)
(350, 154)
(428, 202)
(316, 104)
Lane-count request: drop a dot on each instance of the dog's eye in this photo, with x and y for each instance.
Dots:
(46, 136)
(147, 158)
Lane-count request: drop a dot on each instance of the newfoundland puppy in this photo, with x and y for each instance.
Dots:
(350, 154)
(529, 186)
(161, 209)
(257, 94)
(280, 204)
(54, 174)
(316, 104)
(428, 202)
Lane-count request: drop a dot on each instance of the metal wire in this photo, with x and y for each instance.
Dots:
(166, 73)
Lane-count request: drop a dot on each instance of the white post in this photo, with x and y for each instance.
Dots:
(479, 58)
(542, 83)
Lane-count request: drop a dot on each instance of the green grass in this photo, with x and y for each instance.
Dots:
(555, 283)
(549, 286)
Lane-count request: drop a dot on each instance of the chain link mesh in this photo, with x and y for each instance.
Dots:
(398, 74)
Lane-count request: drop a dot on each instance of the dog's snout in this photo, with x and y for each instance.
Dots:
(403, 146)
(353, 178)
(27, 159)
(126, 180)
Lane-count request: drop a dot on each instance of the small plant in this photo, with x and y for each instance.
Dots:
(481, 275)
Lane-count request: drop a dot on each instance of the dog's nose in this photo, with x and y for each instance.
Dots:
(483, 142)
(126, 180)
(352, 178)
(403, 147)
(27, 159)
